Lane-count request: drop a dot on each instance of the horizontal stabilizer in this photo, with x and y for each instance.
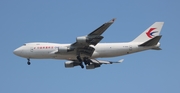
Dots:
(152, 41)
(157, 48)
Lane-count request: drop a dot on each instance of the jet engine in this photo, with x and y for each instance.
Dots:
(92, 66)
(62, 49)
(82, 39)
(70, 64)
(89, 39)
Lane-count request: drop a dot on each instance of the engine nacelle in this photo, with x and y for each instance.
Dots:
(62, 49)
(70, 64)
(92, 66)
(82, 40)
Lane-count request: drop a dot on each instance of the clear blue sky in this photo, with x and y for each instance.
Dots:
(62, 21)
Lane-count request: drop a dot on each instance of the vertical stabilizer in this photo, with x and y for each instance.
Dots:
(153, 31)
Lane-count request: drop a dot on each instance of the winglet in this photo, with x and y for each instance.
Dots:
(112, 20)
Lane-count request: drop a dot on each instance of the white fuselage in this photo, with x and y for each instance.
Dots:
(42, 50)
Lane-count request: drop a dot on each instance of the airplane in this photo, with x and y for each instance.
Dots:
(86, 49)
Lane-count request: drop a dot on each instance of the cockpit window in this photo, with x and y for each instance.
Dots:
(24, 44)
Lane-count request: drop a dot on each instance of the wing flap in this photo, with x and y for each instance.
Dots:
(95, 40)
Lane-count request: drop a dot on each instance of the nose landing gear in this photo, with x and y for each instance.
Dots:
(29, 63)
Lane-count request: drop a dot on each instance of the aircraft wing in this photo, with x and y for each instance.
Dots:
(93, 63)
(94, 37)
(97, 63)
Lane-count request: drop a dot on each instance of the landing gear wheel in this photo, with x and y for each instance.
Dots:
(80, 60)
(29, 63)
(82, 66)
(87, 61)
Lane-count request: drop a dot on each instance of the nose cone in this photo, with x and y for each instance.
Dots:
(17, 52)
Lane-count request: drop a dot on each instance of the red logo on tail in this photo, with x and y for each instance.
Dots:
(150, 33)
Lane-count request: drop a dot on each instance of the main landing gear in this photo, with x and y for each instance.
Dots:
(86, 61)
(29, 63)
(81, 62)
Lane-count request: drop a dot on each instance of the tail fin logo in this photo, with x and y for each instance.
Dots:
(151, 32)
